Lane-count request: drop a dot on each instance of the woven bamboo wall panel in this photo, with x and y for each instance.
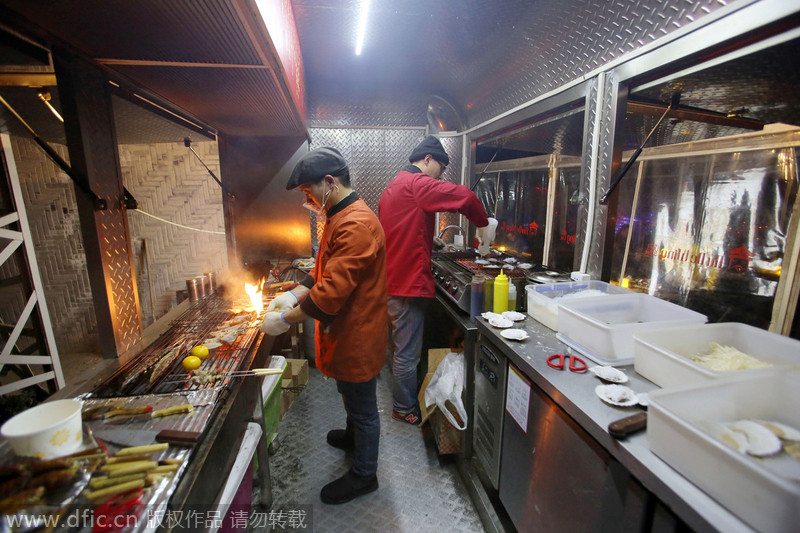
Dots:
(169, 182)
(55, 228)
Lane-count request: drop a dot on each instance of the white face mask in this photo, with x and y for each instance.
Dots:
(320, 210)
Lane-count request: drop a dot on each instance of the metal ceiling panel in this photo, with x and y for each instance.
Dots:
(207, 31)
(485, 57)
(239, 101)
(208, 58)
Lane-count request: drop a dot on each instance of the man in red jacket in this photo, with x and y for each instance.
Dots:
(407, 211)
(346, 295)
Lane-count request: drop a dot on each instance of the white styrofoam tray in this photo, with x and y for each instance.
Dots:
(543, 300)
(664, 356)
(763, 492)
(602, 328)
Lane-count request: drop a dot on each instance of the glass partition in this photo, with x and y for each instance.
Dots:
(705, 227)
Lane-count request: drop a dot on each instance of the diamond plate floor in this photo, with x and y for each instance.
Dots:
(418, 492)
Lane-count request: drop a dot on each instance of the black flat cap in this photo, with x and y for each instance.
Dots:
(315, 165)
(430, 145)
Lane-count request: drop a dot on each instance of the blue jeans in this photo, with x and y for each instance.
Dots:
(406, 318)
(363, 422)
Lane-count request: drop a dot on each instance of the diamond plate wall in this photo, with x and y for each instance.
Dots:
(118, 268)
(605, 141)
(333, 112)
(373, 155)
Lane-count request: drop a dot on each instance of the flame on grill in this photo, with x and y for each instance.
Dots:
(254, 292)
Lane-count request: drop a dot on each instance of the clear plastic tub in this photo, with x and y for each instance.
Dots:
(602, 328)
(664, 356)
(543, 300)
(763, 492)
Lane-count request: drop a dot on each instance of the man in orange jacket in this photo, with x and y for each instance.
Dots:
(346, 295)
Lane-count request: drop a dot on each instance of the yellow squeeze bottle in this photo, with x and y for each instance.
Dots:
(500, 293)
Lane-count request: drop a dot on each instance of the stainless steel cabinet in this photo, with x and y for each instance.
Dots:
(490, 390)
(555, 477)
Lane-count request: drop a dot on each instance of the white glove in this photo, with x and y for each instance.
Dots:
(284, 302)
(274, 324)
(485, 236)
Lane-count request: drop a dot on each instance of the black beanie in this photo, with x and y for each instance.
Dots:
(430, 145)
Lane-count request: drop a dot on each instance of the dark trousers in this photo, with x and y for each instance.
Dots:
(363, 423)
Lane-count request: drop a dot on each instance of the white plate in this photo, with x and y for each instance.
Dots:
(501, 322)
(525, 266)
(513, 315)
(608, 393)
(514, 334)
(481, 262)
(488, 315)
(609, 373)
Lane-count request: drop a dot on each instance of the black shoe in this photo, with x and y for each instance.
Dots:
(347, 487)
(413, 418)
(339, 438)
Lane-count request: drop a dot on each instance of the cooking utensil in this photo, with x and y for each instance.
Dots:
(128, 419)
(110, 514)
(127, 437)
(178, 437)
(630, 424)
(235, 374)
(576, 364)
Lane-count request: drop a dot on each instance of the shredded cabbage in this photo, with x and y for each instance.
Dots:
(726, 358)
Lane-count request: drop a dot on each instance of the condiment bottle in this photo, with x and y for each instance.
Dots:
(500, 293)
(512, 296)
(477, 291)
(488, 294)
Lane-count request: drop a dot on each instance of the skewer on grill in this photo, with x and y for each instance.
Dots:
(235, 374)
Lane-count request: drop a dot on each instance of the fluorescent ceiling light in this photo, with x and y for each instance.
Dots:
(362, 25)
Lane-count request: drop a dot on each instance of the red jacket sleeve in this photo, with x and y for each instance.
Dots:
(434, 195)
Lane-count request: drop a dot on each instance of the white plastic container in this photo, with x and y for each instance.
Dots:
(48, 430)
(602, 328)
(543, 300)
(760, 491)
(664, 356)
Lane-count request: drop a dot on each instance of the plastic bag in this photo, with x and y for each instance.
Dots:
(446, 385)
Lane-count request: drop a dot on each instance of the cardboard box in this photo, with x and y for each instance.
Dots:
(434, 358)
(299, 371)
(295, 376)
(448, 438)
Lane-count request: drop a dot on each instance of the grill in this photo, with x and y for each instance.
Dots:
(158, 369)
(208, 439)
(453, 272)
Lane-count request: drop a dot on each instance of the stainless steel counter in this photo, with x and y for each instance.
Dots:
(574, 393)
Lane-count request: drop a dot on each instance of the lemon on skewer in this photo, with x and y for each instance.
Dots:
(200, 351)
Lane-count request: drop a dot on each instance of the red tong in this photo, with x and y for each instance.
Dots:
(576, 364)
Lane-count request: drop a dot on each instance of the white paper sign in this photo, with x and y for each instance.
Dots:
(518, 396)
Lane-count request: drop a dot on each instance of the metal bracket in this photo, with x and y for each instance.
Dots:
(187, 142)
